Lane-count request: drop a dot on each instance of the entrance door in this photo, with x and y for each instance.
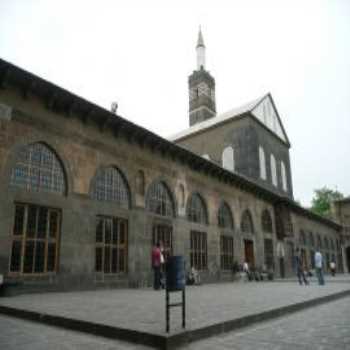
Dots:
(249, 252)
(163, 235)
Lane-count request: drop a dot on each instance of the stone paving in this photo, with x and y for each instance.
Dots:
(324, 327)
(144, 310)
(320, 328)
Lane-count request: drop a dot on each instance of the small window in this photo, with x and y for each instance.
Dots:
(228, 158)
(284, 177)
(262, 163)
(273, 170)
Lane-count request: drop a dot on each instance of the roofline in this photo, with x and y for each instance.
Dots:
(64, 102)
(239, 116)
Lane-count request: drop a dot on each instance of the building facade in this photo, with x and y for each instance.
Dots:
(86, 193)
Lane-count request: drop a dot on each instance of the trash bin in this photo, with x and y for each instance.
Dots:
(175, 273)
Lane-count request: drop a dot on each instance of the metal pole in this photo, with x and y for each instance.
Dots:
(167, 310)
(183, 308)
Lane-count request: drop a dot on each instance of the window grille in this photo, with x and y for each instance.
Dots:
(35, 239)
(226, 245)
(198, 250)
(111, 245)
(109, 185)
(159, 200)
(38, 169)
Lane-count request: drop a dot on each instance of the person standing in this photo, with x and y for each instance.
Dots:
(332, 267)
(318, 267)
(299, 265)
(156, 265)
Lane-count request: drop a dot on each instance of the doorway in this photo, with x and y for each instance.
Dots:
(249, 252)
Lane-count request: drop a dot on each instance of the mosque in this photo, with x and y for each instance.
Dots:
(86, 193)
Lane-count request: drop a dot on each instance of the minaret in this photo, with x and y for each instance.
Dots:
(202, 88)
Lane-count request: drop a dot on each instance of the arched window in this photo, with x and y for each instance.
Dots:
(196, 210)
(247, 222)
(225, 219)
(140, 182)
(159, 200)
(262, 163)
(228, 158)
(273, 170)
(302, 238)
(110, 185)
(266, 222)
(284, 176)
(311, 239)
(38, 169)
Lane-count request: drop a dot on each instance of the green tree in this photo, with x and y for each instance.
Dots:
(323, 197)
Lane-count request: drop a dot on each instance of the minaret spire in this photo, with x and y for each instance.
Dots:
(200, 51)
(201, 88)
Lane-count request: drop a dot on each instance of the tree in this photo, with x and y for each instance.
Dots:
(321, 202)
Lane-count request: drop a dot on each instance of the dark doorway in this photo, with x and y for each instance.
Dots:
(249, 252)
(282, 271)
(347, 252)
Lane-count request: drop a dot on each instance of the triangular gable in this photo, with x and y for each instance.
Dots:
(266, 112)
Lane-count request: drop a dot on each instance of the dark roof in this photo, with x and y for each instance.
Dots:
(69, 104)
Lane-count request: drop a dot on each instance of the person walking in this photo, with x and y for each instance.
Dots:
(156, 265)
(318, 267)
(299, 265)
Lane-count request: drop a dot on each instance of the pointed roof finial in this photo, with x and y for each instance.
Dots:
(200, 41)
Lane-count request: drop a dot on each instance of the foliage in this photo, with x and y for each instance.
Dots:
(323, 197)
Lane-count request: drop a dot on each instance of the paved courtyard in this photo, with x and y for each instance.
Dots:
(320, 328)
(144, 309)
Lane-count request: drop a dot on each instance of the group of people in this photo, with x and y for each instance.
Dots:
(319, 264)
(159, 255)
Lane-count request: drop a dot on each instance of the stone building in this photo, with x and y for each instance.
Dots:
(85, 192)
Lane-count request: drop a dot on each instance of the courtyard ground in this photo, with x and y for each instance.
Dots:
(143, 310)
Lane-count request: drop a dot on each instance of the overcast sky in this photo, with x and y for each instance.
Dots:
(140, 53)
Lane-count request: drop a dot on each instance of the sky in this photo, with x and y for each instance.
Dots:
(140, 54)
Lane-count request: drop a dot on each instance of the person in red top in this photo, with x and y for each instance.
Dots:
(156, 263)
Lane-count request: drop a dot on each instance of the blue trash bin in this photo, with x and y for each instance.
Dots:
(175, 273)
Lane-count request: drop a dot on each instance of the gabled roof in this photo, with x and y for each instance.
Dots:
(262, 108)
